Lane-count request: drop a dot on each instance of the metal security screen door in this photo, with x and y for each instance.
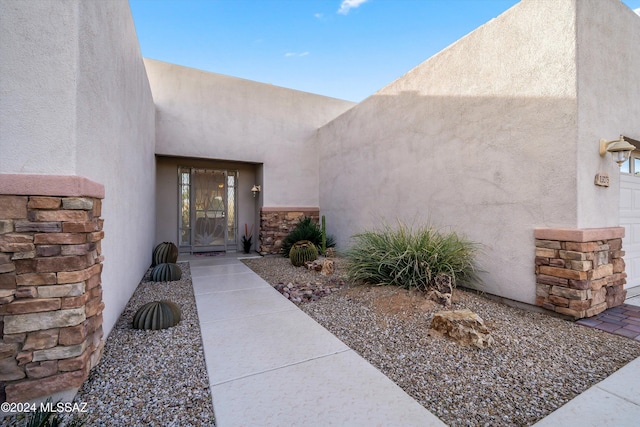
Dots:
(207, 213)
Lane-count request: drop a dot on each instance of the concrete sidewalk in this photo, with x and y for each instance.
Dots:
(270, 364)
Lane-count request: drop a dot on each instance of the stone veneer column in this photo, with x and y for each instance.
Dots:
(579, 272)
(50, 288)
(276, 223)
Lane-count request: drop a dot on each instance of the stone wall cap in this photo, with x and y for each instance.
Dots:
(580, 235)
(289, 209)
(49, 185)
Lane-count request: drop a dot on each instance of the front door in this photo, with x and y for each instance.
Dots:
(207, 217)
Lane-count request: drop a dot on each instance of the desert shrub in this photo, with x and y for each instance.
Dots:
(306, 229)
(411, 257)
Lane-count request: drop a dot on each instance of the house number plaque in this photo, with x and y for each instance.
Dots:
(602, 180)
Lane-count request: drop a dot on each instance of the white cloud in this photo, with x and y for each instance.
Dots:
(637, 11)
(347, 5)
(318, 15)
(292, 54)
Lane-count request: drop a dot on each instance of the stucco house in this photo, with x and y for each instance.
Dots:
(104, 154)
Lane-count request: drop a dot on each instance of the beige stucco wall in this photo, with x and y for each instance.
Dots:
(38, 48)
(608, 100)
(167, 196)
(211, 116)
(481, 137)
(76, 101)
(115, 144)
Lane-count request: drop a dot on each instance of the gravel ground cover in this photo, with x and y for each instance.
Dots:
(537, 364)
(151, 378)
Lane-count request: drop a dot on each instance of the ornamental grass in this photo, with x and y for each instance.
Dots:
(411, 256)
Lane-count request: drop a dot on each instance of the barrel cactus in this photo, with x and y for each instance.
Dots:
(166, 272)
(165, 252)
(302, 251)
(157, 315)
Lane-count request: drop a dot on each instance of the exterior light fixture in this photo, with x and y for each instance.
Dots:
(255, 190)
(619, 148)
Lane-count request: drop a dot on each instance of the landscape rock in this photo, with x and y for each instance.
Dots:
(315, 265)
(464, 326)
(442, 290)
(439, 297)
(307, 292)
(327, 267)
(324, 265)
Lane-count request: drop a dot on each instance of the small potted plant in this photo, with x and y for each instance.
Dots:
(247, 239)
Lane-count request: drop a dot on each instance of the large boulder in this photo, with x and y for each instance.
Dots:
(464, 326)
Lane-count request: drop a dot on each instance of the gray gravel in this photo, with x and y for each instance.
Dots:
(152, 378)
(537, 363)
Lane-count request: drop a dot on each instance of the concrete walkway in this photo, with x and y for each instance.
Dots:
(270, 364)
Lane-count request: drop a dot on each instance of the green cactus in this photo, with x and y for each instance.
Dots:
(302, 251)
(157, 315)
(166, 272)
(324, 236)
(165, 252)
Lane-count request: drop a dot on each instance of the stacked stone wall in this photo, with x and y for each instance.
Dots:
(277, 223)
(50, 293)
(580, 273)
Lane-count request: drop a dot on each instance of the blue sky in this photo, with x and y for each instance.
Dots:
(345, 49)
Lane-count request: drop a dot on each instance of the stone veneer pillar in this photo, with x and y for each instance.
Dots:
(50, 288)
(276, 223)
(579, 272)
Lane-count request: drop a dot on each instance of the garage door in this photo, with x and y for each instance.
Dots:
(630, 217)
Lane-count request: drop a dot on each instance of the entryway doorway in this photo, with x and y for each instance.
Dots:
(207, 217)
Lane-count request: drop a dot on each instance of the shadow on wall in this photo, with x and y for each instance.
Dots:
(491, 167)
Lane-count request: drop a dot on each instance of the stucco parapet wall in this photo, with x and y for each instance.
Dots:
(580, 235)
(50, 185)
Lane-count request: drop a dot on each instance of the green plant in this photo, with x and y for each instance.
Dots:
(306, 229)
(247, 238)
(411, 258)
(157, 315)
(323, 244)
(166, 272)
(303, 251)
(165, 252)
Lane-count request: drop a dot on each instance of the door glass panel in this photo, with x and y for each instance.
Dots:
(209, 207)
(185, 207)
(231, 207)
(624, 168)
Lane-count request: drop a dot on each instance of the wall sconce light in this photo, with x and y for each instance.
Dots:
(255, 190)
(619, 148)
